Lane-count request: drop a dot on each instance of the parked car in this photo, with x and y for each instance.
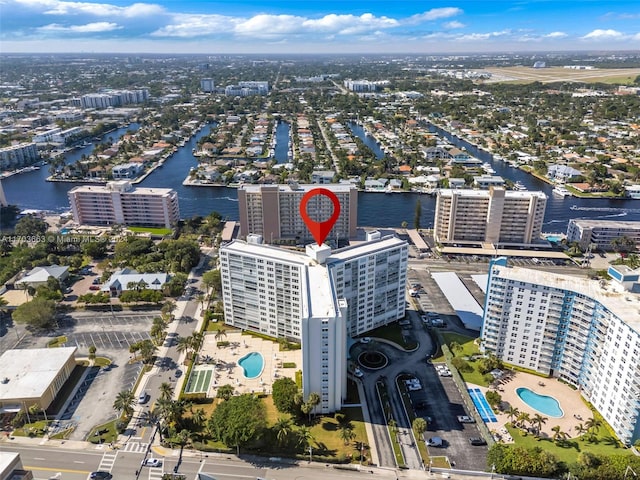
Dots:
(365, 339)
(477, 441)
(435, 442)
(152, 462)
(94, 287)
(404, 322)
(144, 396)
(465, 419)
(178, 373)
(358, 373)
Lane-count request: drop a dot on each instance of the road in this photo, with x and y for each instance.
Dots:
(72, 464)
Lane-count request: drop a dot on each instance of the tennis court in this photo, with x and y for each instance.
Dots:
(200, 379)
(482, 405)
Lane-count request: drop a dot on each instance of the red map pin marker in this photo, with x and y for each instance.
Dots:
(320, 230)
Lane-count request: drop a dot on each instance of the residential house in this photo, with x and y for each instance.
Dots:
(127, 279)
(562, 173)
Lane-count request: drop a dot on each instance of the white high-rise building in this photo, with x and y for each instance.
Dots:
(118, 203)
(273, 211)
(319, 299)
(494, 216)
(582, 331)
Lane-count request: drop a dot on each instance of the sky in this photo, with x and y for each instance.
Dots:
(329, 26)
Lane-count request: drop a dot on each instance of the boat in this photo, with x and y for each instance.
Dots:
(519, 186)
(561, 191)
(488, 168)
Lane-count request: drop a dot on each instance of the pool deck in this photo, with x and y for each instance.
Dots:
(229, 372)
(574, 408)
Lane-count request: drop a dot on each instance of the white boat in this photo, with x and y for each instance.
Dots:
(519, 186)
(561, 191)
(488, 168)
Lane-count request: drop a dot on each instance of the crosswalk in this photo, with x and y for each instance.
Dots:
(155, 473)
(135, 447)
(108, 459)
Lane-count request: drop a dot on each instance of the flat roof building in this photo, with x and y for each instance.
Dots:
(320, 298)
(584, 332)
(494, 216)
(601, 233)
(120, 203)
(273, 212)
(33, 376)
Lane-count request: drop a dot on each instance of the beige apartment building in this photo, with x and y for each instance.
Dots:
(273, 212)
(495, 217)
(120, 203)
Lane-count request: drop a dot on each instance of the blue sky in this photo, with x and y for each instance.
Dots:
(330, 26)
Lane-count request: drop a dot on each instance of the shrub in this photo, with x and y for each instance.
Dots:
(289, 365)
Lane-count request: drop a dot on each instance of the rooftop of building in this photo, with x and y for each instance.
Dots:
(366, 248)
(588, 223)
(448, 192)
(122, 186)
(334, 187)
(30, 371)
(625, 305)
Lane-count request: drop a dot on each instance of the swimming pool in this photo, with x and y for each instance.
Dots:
(482, 405)
(542, 403)
(252, 364)
(554, 238)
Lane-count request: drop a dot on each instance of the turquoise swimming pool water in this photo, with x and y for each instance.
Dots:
(252, 364)
(542, 403)
(554, 238)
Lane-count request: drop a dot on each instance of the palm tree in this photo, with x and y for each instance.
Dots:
(512, 412)
(419, 426)
(346, 434)
(147, 350)
(283, 430)
(220, 332)
(393, 425)
(124, 402)
(183, 345)
(558, 435)
(314, 401)
(225, 392)
(166, 391)
(304, 436)
(537, 421)
(593, 425)
(198, 418)
(581, 429)
(523, 419)
(306, 409)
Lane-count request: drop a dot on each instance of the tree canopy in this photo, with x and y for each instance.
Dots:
(38, 313)
(238, 420)
(284, 393)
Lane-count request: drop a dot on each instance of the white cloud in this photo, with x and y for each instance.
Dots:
(600, 34)
(453, 24)
(556, 35)
(57, 7)
(186, 26)
(482, 36)
(88, 28)
(435, 14)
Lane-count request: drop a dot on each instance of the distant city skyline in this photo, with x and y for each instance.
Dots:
(278, 26)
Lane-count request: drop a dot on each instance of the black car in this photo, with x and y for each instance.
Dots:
(178, 373)
(100, 475)
(477, 441)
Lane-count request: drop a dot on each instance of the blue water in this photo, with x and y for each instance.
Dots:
(368, 141)
(282, 143)
(374, 209)
(252, 364)
(554, 238)
(482, 405)
(542, 403)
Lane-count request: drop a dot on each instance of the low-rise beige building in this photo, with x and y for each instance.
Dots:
(33, 376)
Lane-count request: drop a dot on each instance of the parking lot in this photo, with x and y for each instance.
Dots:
(440, 400)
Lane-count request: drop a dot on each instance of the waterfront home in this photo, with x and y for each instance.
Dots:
(633, 191)
(456, 183)
(485, 181)
(434, 153)
(322, 176)
(562, 173)
(126, 170)
(373, 185)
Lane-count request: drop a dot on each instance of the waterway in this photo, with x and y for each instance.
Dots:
(30, 190)
(369, 141)
(282, 149)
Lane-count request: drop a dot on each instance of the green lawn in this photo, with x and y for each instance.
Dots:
(606, 445)
(35, 429)
(469, 348)
(152, 231)
(393, 333)
(105, 433)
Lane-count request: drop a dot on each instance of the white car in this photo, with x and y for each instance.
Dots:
(358, 373)
(365, 339)
(152, 462)
(414, 387)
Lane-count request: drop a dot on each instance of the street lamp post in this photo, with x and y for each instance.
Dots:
(310, 454)
(493, 469)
